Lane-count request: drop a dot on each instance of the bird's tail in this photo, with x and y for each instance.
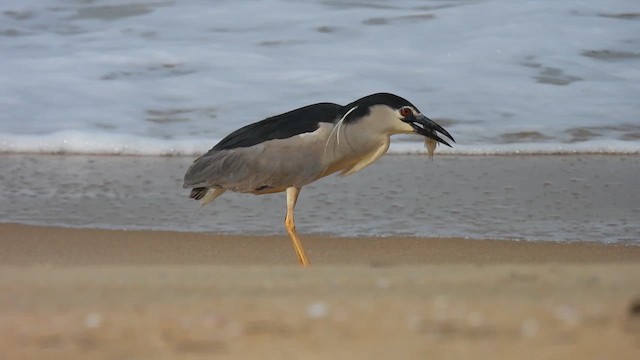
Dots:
(205, 195)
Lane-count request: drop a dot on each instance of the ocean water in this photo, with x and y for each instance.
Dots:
(174, 77)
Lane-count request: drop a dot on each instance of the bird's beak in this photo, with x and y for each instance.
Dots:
(424, 126)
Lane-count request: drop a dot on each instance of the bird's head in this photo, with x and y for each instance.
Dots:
(395, 115)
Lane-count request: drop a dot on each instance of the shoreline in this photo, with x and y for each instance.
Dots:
(556, 198)
(33, 245)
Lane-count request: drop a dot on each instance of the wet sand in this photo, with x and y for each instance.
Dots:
(557, 198)
(104, 294)
(25, 245)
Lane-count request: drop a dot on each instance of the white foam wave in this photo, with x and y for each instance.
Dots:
(76, 142)
(73, 142)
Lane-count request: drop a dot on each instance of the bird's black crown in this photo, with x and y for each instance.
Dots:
(365, 103)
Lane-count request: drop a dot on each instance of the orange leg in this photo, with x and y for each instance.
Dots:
(290, 225)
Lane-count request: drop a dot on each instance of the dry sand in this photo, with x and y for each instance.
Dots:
(100, 294)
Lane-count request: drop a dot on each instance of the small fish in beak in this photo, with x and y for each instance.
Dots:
(430, 144)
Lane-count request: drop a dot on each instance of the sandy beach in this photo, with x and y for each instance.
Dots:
(390, 279)
(522, 241)
(105, 294)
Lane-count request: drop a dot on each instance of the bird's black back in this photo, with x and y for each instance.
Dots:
(303, 120)
(294, 122)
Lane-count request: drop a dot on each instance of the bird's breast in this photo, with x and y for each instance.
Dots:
(352, 152)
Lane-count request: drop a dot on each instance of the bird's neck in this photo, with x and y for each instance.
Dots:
(352, 151)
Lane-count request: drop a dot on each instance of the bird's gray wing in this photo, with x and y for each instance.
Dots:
(270, 155)
(270, 166)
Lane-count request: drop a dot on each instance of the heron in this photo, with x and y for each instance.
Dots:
(285, 152)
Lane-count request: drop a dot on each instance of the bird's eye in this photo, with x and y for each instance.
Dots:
(406, 112)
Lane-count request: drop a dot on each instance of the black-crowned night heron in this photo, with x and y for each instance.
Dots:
(288, 151)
